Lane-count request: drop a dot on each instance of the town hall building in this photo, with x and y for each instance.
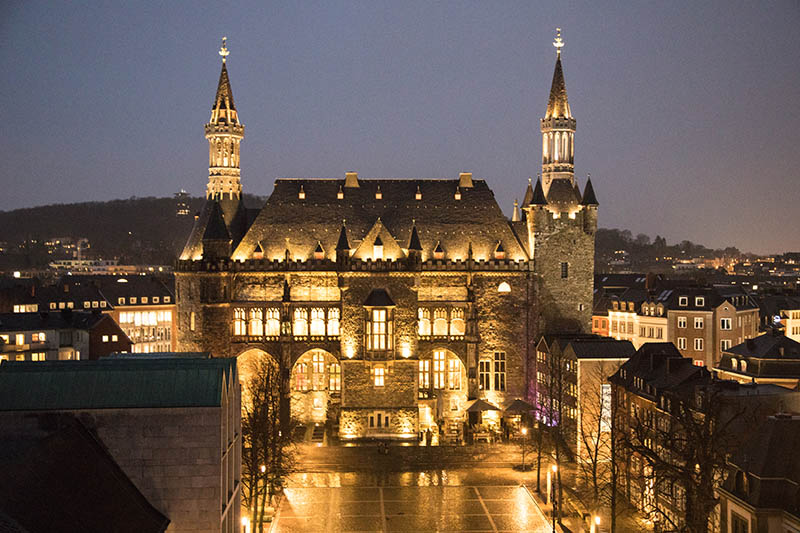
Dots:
(389, 304)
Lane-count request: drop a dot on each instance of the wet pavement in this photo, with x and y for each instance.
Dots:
(469, 500)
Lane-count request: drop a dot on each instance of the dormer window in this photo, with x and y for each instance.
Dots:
(378, 194)
(457, 195)
(734, 363)
(438, 252)
(378, 309)
(258, 253)
(683, 301)
(319, 253)
(377, 248)
(699, 301)
(340, 194)
(418, 195)
(302, 194)
(499, 251)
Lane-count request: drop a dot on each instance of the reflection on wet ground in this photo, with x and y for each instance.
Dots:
(439, 500)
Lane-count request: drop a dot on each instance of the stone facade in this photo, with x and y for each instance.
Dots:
(403, 299)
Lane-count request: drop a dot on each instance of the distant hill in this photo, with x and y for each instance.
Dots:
(136, 230)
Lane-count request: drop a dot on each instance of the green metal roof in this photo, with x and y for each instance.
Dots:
(113, 383)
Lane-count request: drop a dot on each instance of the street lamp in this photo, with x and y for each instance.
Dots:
(595, 526)
(555, 496)
(524, 445)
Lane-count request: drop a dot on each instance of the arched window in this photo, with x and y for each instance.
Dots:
(424, 323)
(239, 322)
(318, 371)
(439, 359)
(333, 322)
(734, 363)
(273, 324)
(335, 377)
(454, 373)
(300, 323)
(318, 321)
(457, 324)
(504, 287)
(743, 365)
(301, 377)
(440, 321)
(256, 323)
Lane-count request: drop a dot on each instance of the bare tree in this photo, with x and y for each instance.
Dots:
(594, 433)
(268, 454)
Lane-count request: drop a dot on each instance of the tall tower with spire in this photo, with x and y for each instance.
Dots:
(224, 133)
(558, 129)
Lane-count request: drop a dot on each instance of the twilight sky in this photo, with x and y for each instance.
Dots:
(688, 112)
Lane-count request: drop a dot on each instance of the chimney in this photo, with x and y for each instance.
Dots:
(465, 180)
(781, 351)
(650, 281)
(351, 179)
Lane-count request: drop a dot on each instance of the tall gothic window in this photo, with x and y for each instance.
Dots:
(335, 377)
(457, 324)
(424, 323)
(439, 360)
(273, 323)
(499, 371)
(440, 321)
(300, 324)
(239, 322)
(301, 377)
(485, 374)
(256, 322)
(333, 322)
(424, 376)
(318, 371)
(379, 330)
(454, 373)
(318, 321)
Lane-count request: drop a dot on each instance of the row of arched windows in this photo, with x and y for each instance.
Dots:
(441, 321)
(318, 376)
(315, 321)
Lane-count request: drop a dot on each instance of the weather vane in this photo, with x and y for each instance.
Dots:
(224, 50)
(559, 42)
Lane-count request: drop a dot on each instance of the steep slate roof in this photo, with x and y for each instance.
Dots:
(52, 320)
(557, 105)
(194, 244)
(589, 197)
(773, 346)
(67, 481)
(113, 383)
(216, 228)
(661, 366)
(538, 194)
(289, 221)
(379, 298)
(224, 96)
(602, 348)
(562, 194)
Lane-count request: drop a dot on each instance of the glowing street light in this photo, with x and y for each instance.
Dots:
(595, 526)
(555, 495)
(524, 445)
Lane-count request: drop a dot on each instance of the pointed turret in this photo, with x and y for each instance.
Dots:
(589, 197)
(413, 243)
(343, 245)
(558, 129)
(224, 133)
(515, 216)
(538, 194)
(216, 238)
(528, 198)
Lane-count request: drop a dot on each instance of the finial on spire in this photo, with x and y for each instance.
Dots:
(530, 179)
(224, 50)
(559, 42)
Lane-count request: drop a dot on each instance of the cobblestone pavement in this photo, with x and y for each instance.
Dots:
(442, 500)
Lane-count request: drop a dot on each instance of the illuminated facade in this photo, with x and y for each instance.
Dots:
(390, 303)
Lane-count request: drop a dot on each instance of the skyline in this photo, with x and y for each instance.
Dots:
(697, 148)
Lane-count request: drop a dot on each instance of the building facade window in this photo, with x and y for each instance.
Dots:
(379, 330)
(681, 343)
(698, 344)
(273, 323)
(300, 322)
(454, 374)
(699, 301)
(333, 321)
(318, 322)
(301, 377)
(379, 376)
(335, 377)
(318, 371)
(725, 344)
(440, 322)
(484, 374)
(500, 371)
(239, 323)
(439, 361)
(457, 324)
(698, 322)
(725, 323)
(683, 301)
(424, 377)
(256, 322)
(38, 356)
(423, 322)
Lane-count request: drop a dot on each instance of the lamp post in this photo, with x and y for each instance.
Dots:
(595, 526)
(555, 496)
(524, 445)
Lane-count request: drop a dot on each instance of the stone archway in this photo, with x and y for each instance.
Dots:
(247, 364)
(444, 386)
(316, 386)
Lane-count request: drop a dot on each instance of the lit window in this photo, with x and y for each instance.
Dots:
(438, 369)
(105, 338)
(166, 299)
(734, 363)
(424, 322)
(38, 356)
(318, 371)
(379, 379)
(155, 299)
(239, 323)
(102, 303)
(379, 330)
(87, 304)
(20, 338)
(454, 373)
(484, 374)
(440, 322)
(318, 321)
(192, 320)
(377, 248)
(300, 323)
(333, 322)
(256, 322)
(424, 374)
(499, 371)
(499, 251)
(335, 377)
(744, 366)
(301, 377)
(273, 323)
(133, 299)
(457, 324)
(114, 338)
(504, 287)
(38, 337)
(52, 305)
(144, 299)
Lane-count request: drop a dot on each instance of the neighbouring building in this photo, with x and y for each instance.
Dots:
(770, 358)
(760, 492)
(780, 312)
(59, 336)
(388, 303)
(171, 424)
